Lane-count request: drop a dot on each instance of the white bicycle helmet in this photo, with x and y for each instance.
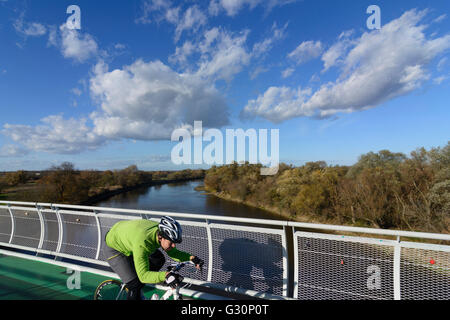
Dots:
(170, 229)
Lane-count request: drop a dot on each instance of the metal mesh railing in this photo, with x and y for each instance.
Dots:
(51, 231)
(27, 228)
(425, 274)
(343, 268)
(195, 241)
(5, 225)
(330, 267)
(250, 256)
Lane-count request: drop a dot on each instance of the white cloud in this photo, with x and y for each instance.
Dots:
(264, 46)
(382, 65)
(441, 64)
(53, 36)
(287, 72)
(277, 103)
(141, 101)
(120, 46)
(32, 29)
(440, 18)
(191, 20)
(35, 29)
(76, 91)
(440, 79)
(219, 54)
(11, 150)
(148, 7)
(56, 135)
(214, 8)
(76, 45)
(223, 54)
(148, 100)
(232, 7)
(73, 44)
(257, 71)
(336, 53)
(182, 53)
(314, 78)
(306, 51)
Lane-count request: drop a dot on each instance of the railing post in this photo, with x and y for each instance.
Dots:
(210, 251)
(296, 261)
(60, 230)
(41, 219)
(13, 224)
(285, 262)
(397, 260)
(99, 235)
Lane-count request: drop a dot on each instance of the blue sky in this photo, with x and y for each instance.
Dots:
(111, 93)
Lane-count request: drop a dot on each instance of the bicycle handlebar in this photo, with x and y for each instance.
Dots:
(174, 267)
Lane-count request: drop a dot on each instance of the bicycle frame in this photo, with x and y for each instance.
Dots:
(122, 288)
(175, 292)
(172, 291)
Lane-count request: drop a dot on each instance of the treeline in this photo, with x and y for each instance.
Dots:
(10, 179)
(186, 174)
(13, 179)
(382, 190)
(65, 184)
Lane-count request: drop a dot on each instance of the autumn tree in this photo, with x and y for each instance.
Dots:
(64, 184)
(15, 178)
(383, 189)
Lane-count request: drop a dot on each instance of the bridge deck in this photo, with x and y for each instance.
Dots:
(22, 279)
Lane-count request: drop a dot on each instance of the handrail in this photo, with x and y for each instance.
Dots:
(385, 232)
(284, 223)
(273, 239)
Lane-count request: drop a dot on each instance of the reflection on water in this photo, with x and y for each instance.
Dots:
(182, 197)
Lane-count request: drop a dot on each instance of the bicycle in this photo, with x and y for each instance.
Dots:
(116, 290)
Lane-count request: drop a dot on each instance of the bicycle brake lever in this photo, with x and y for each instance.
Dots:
(173, 267)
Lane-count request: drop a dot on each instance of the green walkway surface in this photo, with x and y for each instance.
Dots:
(23, 279)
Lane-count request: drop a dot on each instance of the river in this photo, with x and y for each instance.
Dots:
(182, 197)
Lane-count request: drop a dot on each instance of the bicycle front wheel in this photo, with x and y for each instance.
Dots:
(111, 290)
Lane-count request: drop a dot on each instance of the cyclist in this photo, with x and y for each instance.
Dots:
(131, 250)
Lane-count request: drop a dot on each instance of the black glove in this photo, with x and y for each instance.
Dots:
(173, 279)
(198, 262)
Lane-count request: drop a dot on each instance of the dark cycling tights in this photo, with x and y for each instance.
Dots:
(156, 261)
(134, 289)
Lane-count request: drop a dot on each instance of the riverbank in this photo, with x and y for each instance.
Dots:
(23, 192)
(184, 197)
(276, 212)
(283, 215)
(110, 193)
(29, 192)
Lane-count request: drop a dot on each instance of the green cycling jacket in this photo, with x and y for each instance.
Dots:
(140, 239)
